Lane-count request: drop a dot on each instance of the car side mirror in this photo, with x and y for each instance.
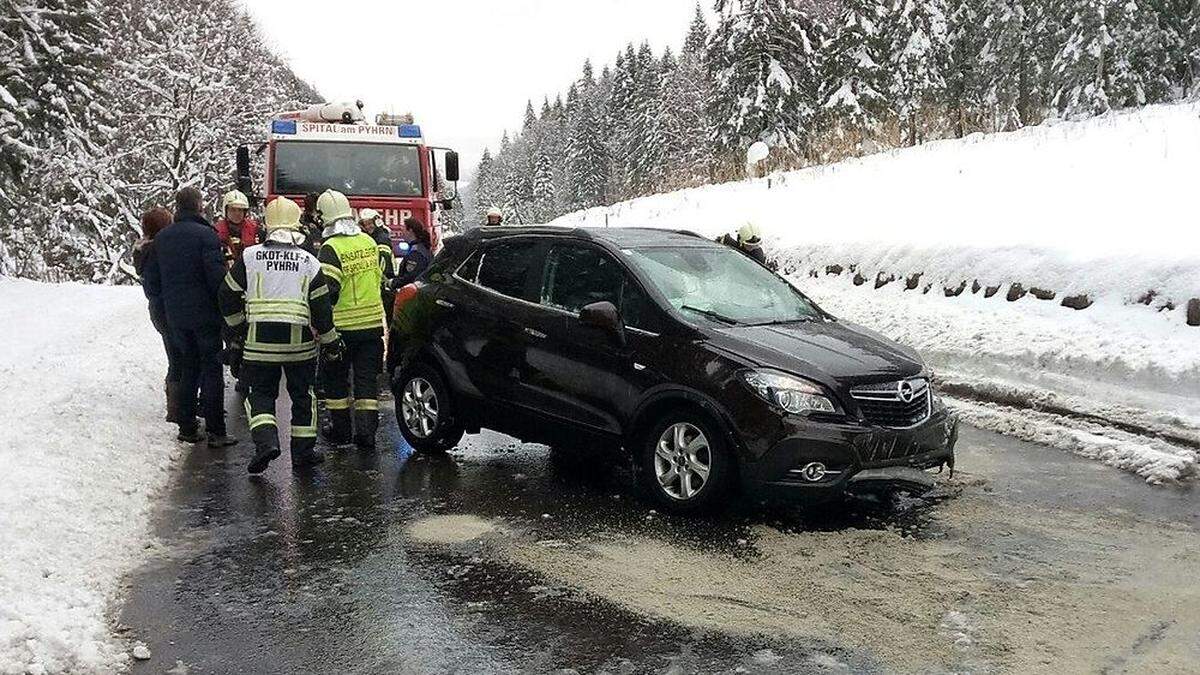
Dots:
(604, 315)
(245, 182)
(452, 166)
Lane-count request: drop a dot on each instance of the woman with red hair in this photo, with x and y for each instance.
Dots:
(153, 222)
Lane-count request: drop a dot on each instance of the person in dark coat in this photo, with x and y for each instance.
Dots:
(183, 273)
(153, 222)
(406, 317)
(419, 255)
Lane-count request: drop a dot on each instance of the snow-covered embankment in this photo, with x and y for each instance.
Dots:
(84, 448)
(1101, 207)
(1096, 209)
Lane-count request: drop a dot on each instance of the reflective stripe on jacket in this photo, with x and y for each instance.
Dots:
(279, 293)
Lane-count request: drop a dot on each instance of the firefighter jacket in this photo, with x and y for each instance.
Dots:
(383, 239)
(277, 294)
(353, 265)
(235, 238)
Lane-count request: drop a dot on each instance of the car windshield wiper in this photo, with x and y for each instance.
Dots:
(780, 322)
(716, 316)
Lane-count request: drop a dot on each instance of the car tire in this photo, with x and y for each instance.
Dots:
(425, 410)
(684, 463)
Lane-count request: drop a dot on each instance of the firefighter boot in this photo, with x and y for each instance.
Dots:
(339, 431)
(304, 453)
(266, 444)
(366, 423)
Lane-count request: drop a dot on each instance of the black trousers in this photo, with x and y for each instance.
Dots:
(198, 353)
(353, 383)
(263, 381)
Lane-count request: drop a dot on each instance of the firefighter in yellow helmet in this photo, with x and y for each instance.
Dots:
(747, 241)
(277, 308)
(355, 267)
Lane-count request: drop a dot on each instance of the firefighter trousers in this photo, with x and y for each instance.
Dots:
(263, 381)
(351, 388)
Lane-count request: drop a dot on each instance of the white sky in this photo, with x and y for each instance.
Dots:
(464, 68)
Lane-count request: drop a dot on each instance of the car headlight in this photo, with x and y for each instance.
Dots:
(790, 393)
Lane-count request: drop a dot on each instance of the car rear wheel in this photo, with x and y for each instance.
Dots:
(685, 463)
(425, 411)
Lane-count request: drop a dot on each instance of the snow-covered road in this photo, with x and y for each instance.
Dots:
(84, 449)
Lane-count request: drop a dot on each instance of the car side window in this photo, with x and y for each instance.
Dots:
(469, 270)
(577, 276)
(505, 267)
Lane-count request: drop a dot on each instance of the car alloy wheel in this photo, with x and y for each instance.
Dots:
(419, 406)
(682, 461)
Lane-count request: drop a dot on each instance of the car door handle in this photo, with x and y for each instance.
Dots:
(535, 333)
(444, 303)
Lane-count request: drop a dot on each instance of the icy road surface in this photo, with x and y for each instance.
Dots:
(507, 558)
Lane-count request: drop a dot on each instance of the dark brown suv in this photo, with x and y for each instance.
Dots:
(708, 368)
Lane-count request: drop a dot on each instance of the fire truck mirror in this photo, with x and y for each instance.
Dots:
(452, 166)
(245, 182)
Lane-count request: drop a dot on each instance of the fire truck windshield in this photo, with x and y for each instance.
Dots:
(354, 169)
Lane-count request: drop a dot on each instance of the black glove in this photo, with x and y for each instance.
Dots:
(333, 353)
(232, 354)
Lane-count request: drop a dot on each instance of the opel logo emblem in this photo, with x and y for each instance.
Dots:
(813, 471)
(905, 391)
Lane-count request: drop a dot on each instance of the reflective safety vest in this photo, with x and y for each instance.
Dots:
(358, 273)
(277, 282)
(279, 291)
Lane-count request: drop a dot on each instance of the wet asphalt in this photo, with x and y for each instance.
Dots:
(314, 573)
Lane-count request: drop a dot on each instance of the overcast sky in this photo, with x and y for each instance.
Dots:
(463, 67)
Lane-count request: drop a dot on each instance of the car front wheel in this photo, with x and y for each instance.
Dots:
(425, 411)
(685, 463)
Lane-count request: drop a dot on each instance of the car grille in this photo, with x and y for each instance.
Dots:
(885, 405)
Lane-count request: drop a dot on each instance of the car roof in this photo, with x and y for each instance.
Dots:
(620, 237)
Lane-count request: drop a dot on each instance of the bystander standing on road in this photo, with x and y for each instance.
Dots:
(182, 275)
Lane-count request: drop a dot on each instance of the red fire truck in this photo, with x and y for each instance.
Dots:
(386, 166)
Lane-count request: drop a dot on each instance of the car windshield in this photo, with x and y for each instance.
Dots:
(354, 169)
(720, 284)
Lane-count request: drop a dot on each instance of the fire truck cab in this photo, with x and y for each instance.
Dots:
(385, 166)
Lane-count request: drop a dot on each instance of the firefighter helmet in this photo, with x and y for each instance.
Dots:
(368, 214)
(333, 206)
(236, 199)
(749, 234)
(283, 214)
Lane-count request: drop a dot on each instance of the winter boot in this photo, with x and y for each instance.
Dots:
(304, 453)
(172, 390)
(339, 430)
(266, 443)
(190, 435)
(366, 423)
(222, 441)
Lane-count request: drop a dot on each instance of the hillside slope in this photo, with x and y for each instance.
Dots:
(1100, 207)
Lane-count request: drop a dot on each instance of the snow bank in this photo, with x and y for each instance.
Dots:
(83, 448)
(1101, 207)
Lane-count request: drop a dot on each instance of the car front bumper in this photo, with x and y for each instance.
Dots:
(850, 453)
